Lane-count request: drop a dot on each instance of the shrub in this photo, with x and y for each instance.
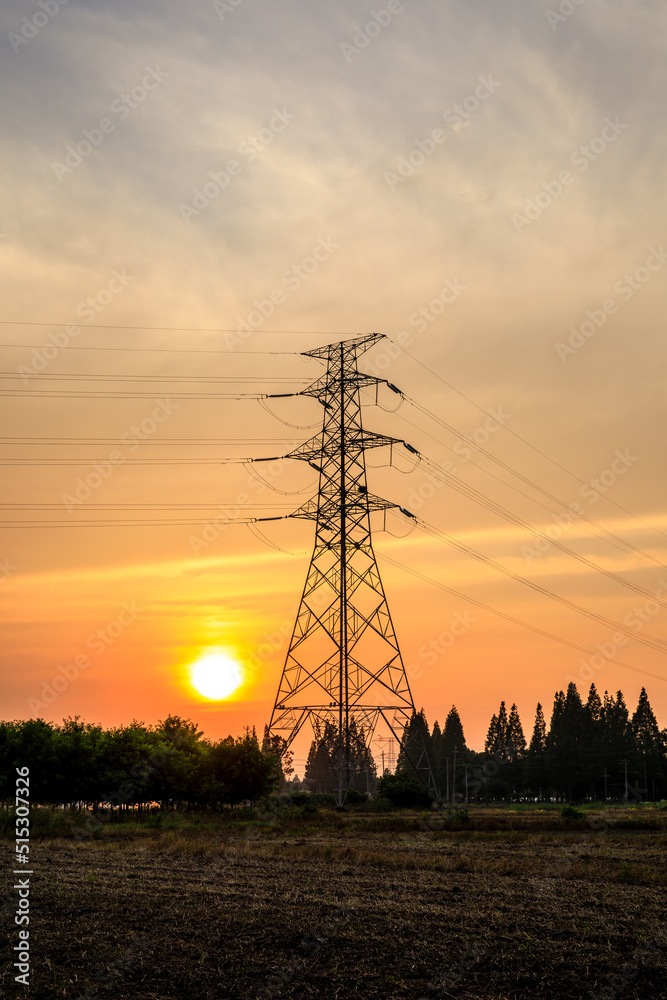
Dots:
(404, 791)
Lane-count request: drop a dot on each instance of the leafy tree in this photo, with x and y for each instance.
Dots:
(78, 749)
(35, 746)
(438, 756)
(276, 745)
(240, 771)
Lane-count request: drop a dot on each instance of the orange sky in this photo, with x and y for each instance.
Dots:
(525, 272)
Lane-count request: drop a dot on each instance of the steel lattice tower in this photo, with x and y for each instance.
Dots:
(343, 664)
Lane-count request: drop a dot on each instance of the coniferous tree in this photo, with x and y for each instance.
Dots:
(496, 737)
(326, 755)
(592, 743)
(501, 782)
(565, 752)
(438, 756)
(492, 739)
(515, 748)
(648, 754)
(617, 744)
(322, 765)
(452, 734)
(317, 767)
(455, 751)
(362, 768)
(514, 739)
(535, 780)
(415, 756)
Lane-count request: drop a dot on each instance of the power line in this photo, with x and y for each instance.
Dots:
(99, 377)
(96, 441)
(615, 540)
(150, 350)
(180, 329)
(528, 443)
(121, 523)
(535, 486)
(648, 640)
(26, 463)
(511, 618)
(112, 394)
(144, 506)
(468, 491)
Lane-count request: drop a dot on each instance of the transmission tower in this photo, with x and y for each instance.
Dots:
(343, 666)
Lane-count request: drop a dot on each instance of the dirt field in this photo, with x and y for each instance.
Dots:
(343, 905)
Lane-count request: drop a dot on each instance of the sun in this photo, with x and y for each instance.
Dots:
(215, 676)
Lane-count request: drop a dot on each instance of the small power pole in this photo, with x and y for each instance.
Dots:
(625, 765)
(605, 776)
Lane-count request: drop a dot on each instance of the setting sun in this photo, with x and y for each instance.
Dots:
(215, 676)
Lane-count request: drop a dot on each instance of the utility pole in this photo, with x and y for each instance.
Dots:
(625, 764)
(605, 776)
(645, 779)
(447, 766)
(343, 669)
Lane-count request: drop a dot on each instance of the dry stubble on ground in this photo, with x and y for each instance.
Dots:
(345, 908)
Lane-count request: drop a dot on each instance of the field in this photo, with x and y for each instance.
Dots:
(297, 904)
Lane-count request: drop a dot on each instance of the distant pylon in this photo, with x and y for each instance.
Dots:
(343, 665)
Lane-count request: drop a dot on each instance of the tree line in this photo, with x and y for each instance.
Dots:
(593, 750)
(134, 766)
